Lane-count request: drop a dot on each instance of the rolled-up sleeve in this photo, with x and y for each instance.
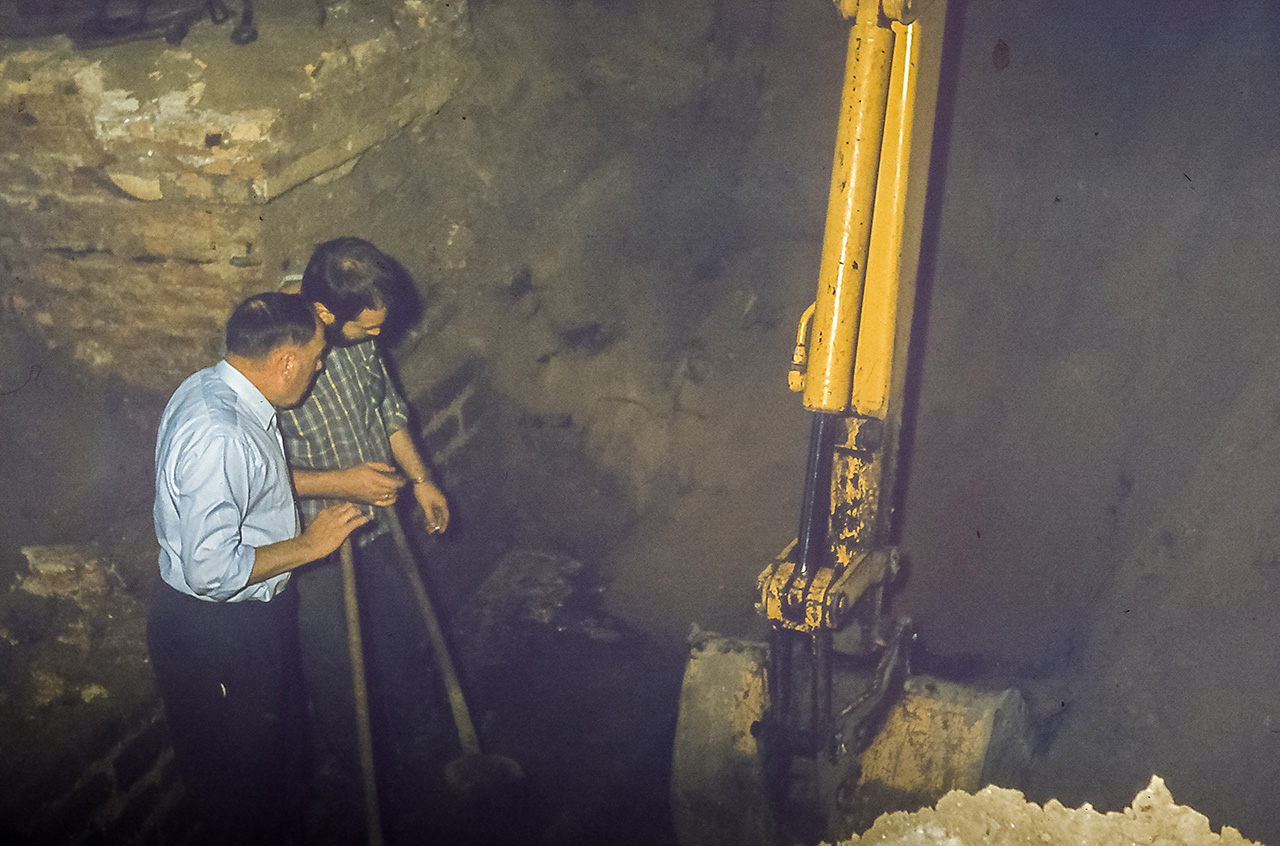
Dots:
(393, 410)
(214, 480)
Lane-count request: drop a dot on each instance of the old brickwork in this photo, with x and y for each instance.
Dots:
(132, 794)
(136, 181)
(86, 753)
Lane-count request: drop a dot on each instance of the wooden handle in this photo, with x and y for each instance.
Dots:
(461, 717)
(360, 686)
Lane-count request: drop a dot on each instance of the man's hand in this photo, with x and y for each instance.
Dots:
(434, 505)
(332, 526)
(372, 483)
(325, 534)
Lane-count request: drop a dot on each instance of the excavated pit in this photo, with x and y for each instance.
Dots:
(614, 213)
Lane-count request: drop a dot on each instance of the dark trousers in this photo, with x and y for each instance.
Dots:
(412, 732)
(228, 674)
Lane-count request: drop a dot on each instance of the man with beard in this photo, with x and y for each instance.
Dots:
(219, 627)
(349, 441)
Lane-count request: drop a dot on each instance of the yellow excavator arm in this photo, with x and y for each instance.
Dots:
(782, 741)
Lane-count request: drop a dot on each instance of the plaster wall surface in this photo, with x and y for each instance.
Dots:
(1095, 424)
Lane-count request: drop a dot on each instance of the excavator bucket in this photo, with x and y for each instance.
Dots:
(718, 794)
(943, 736)
(937, 736)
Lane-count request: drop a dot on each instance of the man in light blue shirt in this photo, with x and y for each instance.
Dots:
(219, 625)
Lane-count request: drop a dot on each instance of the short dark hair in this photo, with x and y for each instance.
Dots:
(349, 275)
(265, 322)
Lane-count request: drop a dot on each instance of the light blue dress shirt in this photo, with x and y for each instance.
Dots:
(222, 487)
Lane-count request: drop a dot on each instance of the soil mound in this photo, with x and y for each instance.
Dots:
(995, 816)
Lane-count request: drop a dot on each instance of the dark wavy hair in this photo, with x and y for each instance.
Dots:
(349, 275)
(265, 322)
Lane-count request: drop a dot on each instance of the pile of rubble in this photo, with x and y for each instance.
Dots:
(995, 816)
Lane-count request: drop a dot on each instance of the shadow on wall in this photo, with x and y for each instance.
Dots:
(515, 478)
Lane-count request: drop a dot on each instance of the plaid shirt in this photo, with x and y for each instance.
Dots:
(346, 420)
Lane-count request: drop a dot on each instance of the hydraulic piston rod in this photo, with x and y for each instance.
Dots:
(847, 238)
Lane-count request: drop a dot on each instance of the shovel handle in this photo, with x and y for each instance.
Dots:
(457, 702)
(360, 687)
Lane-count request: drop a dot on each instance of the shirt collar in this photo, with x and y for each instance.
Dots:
(257, 404)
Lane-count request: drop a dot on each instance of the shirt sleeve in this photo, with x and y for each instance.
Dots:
(215, 496)
(393, 410)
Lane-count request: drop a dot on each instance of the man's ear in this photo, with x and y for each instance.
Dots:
(326, 317)
(284, 360)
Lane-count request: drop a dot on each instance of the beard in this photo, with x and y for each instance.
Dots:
(333, 335)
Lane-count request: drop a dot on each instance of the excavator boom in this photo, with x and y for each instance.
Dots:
(812, 733)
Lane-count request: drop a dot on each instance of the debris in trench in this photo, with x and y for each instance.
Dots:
(530, 589)
(995, 816)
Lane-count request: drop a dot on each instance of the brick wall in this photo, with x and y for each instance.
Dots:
(136, 181)
(86, 757)
(460, 430)
(450, 412)
(130, 795)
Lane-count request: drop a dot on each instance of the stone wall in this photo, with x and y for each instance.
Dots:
(85, 751)
(136, 182)
(131, 794)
